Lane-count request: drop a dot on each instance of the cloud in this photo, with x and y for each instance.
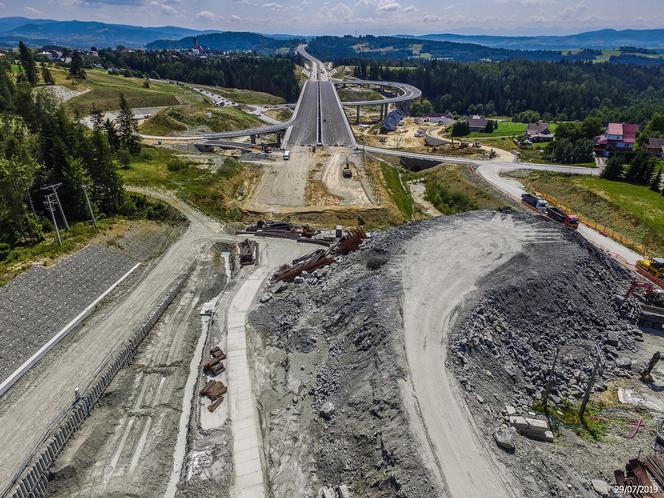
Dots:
(208, 16)
(388, 6)
(429, 18)
(97, 3)
(166, 8)
(410, 8)
(273, 5)
(32, 11)
(2, 6)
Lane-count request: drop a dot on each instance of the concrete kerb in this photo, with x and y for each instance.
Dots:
(21, 371)
(33, 482)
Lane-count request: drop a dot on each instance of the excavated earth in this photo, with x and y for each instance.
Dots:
(331, 364)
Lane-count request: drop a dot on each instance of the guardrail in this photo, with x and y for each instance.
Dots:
(31, 479)
(604, 230)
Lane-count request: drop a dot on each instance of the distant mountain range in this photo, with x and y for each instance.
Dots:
(230, 41)
(602, 39)
(84, 34)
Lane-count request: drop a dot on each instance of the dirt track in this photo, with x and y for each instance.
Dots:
(441, 268)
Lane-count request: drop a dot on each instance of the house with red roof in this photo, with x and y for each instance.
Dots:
(619, 137)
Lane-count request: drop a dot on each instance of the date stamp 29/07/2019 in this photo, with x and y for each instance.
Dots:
(636, 489)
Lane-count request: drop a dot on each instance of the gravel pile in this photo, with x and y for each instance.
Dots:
(40, 302)
(335, 341)
(547, 298)
(336, 337)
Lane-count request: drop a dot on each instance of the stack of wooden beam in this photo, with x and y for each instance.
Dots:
(214, 390)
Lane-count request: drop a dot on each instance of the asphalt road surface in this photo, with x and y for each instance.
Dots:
(335, 128)
(305, 127)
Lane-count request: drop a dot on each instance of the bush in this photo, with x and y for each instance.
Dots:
(5, 249)
(176, 165)
(460, 129)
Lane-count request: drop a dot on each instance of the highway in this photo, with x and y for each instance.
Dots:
(409, 92)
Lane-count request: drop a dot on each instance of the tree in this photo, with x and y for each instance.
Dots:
(614, 169)
(640, 169)
(106, 183)
(46, 75)
(76, 67)
(490, 126)
(16, 223)
(146, 83)
(460, 129)
(656, 182)
(112, 135)
(27, 63)
(97, 119)
(127, 128)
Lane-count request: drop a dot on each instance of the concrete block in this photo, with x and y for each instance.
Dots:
(519, 422)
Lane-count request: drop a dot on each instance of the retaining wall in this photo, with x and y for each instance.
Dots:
(30, 481)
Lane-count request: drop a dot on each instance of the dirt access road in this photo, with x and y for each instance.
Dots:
(309, 179)
(440, 270)
(46, 390)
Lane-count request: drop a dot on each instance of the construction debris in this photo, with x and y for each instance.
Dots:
(636, 481)
(248, 250)
(214, 390)
(214, 364)
(321, 257)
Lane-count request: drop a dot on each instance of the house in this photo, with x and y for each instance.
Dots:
(655, 146)
(392, 120)
(477, 123)
(539, 132)
(619, 137)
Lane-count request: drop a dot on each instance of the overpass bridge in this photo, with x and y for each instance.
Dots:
(319, 118)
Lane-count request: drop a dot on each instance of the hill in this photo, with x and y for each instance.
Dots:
(84, 34)
(602, 39)
(395, 48)
(229, 41)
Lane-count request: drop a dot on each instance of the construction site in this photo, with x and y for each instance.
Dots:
(306, 350)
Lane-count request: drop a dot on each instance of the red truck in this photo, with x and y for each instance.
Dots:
(557, 214)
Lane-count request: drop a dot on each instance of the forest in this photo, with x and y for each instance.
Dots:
(41, 145)
(275, 75)
(557, 90)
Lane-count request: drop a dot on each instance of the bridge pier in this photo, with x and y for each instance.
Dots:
(280, 137)
(253, 139)
(357, 120)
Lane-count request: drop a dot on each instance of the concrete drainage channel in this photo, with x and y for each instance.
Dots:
(32, 479)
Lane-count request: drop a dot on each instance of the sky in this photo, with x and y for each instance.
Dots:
(317, 17)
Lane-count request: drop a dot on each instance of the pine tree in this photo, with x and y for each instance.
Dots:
(28, 63)
(127, 126)
(76, 67)
(46, 75)
(106, 183)
(97, 119)
(112, 135)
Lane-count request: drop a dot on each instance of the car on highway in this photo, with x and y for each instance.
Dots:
(286, 155)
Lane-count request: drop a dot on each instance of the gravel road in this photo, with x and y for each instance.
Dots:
(441, 268)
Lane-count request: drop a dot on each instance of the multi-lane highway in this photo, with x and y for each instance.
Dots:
(319, 118)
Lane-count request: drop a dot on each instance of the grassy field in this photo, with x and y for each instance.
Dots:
(246, 96)
(533, 154)
(211, 192)
(505, 129)
(181, 118)
(105, 89)
(354, 94)
(280, 114)
(633, 211)
(452, 188)
(399, 194)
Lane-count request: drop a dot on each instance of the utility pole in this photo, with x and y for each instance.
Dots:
(49, 202)
(591, 383)
(549, 381)
(54, 188)
(87, 201)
